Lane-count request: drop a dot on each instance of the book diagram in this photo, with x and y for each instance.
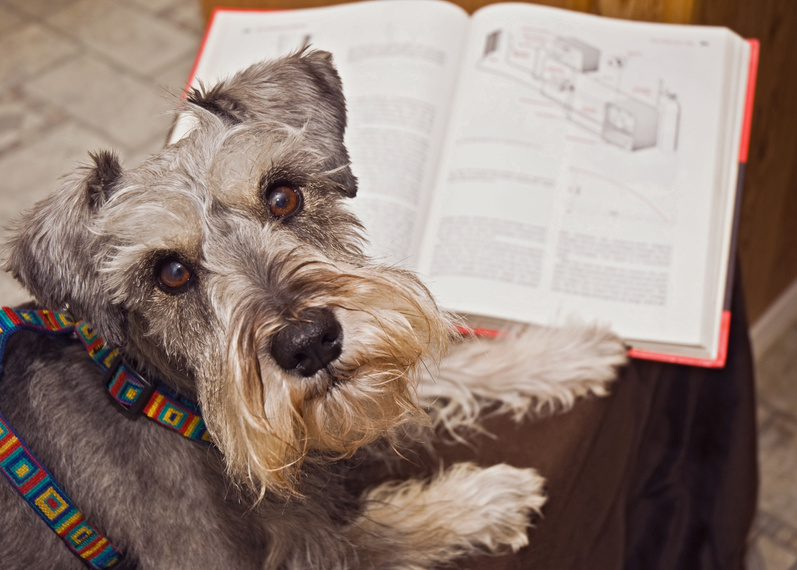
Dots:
(588, 86)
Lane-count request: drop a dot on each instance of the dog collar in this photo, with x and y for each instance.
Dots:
(29, 477)
(135, 394)
(132, 392)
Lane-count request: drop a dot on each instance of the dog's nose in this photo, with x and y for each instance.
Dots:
(308, 344)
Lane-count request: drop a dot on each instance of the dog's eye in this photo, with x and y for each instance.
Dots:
(173, 275)
(283, 200)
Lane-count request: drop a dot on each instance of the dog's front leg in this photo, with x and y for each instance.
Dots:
(418, 524)
(539, 370)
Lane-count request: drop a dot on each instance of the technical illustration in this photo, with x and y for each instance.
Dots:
(587, 85)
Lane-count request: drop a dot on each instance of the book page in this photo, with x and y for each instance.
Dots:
(398, 62)
(580, 174)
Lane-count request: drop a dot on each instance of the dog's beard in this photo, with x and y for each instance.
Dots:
(269, 422)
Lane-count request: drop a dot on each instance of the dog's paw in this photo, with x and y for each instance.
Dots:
(539, 370)
(465, 509)
(586, 357)
(497, 504)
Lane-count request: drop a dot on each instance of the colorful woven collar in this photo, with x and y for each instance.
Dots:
(133, 393)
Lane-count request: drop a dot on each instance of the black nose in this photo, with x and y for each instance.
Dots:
(308, 344)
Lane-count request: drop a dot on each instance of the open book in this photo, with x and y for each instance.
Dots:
(535, 164)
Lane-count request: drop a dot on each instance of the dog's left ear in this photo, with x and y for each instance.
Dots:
(55, 255)
(302, 90)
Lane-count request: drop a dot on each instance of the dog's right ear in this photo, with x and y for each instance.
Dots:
(56, 254)
(302, 90)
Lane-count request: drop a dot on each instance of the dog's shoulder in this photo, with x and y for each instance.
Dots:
(30, 356)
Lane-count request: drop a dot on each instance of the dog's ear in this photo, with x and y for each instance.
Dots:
(54, 252)
(103, 178)
(302, 90)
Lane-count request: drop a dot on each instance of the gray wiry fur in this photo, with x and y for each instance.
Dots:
(274, 493)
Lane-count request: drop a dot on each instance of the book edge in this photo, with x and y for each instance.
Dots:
(716, 362)
(722, 348)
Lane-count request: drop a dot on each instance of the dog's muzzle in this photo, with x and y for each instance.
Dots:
(309, 343)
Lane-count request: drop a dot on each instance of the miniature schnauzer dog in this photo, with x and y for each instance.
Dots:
(228, 269)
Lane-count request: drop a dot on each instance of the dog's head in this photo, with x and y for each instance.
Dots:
(229, 266)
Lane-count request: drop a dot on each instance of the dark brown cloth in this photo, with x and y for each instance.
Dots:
(660, 475)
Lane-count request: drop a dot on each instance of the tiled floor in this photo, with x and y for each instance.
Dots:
(775, 530)
(77, 75)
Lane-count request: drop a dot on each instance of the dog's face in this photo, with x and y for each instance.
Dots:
(229, 266)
